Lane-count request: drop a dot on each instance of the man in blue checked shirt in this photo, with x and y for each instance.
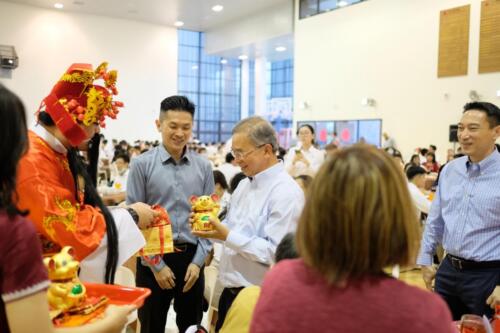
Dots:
(168, 175)
(465, 218)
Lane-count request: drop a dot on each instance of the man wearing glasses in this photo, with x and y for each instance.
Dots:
(263, 208)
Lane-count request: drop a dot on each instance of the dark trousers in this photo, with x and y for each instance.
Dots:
(225, 301)
(188, 306)
(466, 290)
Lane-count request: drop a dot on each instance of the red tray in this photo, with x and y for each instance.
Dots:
(118, 295)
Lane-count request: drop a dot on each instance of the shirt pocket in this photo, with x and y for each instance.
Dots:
(452, 195)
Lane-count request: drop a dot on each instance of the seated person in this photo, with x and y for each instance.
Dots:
(221, 189)
(240, 313)
(416, 186)
(431, 165)
(414, 161)
(116, 192)
(356, 221)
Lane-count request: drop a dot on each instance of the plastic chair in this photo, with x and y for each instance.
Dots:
(125, 277)
(211, 273)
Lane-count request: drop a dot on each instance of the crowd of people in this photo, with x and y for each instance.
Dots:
(339, 216)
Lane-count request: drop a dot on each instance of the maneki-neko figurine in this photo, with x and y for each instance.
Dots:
(66, 291)
(204, 208)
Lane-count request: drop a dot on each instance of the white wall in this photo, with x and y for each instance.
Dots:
(48, 41)
(273, 22)
(386, 50)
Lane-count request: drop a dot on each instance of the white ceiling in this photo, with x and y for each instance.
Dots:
(196, 14)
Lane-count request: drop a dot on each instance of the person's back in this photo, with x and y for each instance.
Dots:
(358, 219)
(295, 298)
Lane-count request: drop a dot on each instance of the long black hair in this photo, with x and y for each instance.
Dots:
(89, 174)
(13, 145)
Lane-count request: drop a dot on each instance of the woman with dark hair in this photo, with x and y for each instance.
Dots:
(23, 277)
(221, 189)
(431, 165)
(414, 162)
(58, 189)
(304, 159)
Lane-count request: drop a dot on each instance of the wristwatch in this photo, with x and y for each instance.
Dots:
(134, 214)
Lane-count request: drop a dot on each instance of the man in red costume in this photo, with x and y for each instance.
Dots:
(58, 188)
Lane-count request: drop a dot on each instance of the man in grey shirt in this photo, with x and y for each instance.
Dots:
(168, 175)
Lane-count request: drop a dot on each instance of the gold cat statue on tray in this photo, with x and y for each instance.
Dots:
(66, 291)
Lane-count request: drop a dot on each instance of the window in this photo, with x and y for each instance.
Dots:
(214, 87)
(279, 97)
(251, 88)
(313, 7)
(281, 79)
(348, 131)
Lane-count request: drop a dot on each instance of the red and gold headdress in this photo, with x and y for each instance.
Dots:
(76, 100)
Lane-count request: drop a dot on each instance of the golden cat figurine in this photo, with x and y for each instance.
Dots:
(66, 291)
(204, 207)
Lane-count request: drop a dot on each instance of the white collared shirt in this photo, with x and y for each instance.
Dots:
(419, 199)
(314, 156)
(261, 212)
(49, 138)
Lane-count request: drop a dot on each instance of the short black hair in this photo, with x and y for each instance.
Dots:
(13, 145)
(433, 147)
(229, 158)
(414, 171)
(492, 111)
(286, 248)
(124, 156)
(177, 103)
(220, 179)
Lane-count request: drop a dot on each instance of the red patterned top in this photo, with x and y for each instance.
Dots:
(46, 188)
(296, 298)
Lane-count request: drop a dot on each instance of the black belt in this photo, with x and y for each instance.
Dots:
(461, 263)
(183, 247)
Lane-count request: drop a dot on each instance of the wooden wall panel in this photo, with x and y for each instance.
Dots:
(489, 37)
(454, 41)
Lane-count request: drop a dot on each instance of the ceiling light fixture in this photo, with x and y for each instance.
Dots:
(243, 57)
(280, 49)
(194, 67)
(342, 3)
(179, 23)
(217, 8)
(223, 61)
(58, 5)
